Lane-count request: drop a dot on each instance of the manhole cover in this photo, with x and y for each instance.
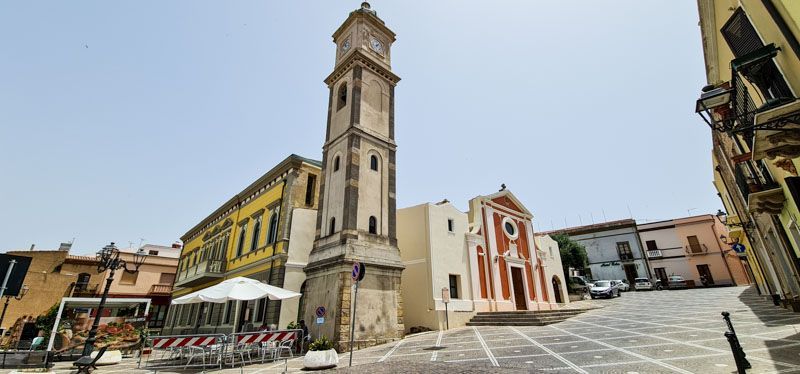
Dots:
(434, 348)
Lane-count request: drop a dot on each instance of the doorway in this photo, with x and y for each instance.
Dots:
(705, 273)
(630, 273)
(519, 288)
(557, 290)
(661, 274)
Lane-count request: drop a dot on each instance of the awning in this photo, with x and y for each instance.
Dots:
(234, 289)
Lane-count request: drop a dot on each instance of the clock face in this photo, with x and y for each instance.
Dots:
(376, 45)
(346, 46)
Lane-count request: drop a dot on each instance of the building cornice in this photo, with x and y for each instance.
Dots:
(359, 58)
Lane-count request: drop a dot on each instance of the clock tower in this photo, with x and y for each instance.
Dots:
(356, 219)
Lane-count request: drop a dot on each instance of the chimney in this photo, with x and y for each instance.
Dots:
(65, 247)
(177, 245)
(32, 245)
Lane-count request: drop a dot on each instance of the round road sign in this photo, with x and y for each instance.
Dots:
(320, 312)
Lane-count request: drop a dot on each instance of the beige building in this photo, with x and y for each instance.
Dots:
(52, 274)
(432, 242)
(550, 257)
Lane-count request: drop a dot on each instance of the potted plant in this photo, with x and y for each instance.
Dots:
(321, 355)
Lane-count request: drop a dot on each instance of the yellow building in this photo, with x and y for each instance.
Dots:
(752, 58)
(265, 232)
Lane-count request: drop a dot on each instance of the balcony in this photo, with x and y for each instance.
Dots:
(694, 250)
(768, 201)
(84, 290)
(160, 289)
(654, 253)
(778, 143)
(202, 272)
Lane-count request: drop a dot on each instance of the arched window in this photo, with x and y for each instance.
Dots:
(336, 163)
(256, 232)
(373, 225)
(240, 244)
(272, 236)
(332, 226)
(341, 100)
(83, 281)
(373, 162)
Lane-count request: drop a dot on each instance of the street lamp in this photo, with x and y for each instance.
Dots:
(714, 100)
(22, 292)
(108, 259)
(720, 215)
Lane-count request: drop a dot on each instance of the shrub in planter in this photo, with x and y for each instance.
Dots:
(321, 355)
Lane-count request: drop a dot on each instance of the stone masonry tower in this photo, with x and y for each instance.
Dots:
(356, 220)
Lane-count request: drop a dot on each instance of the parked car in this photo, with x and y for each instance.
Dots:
(579, 284)
(622, 285)
(642, 284)
(604, 289)
(676, 282)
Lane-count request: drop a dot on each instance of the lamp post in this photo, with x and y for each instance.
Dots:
(22, 293)
(108, 259)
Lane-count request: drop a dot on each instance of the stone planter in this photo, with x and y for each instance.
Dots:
(320, 359)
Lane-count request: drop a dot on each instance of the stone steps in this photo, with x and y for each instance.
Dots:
(522, 318)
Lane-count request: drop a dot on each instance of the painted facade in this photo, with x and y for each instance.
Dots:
(694, 248)
(550, 257)
(507, 272)
(613, 249)
(752, 55)
(262, 233)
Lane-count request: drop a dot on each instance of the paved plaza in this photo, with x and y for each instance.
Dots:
(640, 332)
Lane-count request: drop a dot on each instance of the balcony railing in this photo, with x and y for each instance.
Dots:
(654, 253)
(84, 290)
(698, 249)
(160, 289)
(205, 269)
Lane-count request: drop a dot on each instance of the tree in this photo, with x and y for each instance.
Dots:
(573, 254)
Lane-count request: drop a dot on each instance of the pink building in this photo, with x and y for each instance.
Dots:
(694, 248)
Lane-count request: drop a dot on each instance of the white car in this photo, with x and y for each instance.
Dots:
(622, 285)
(643, 284)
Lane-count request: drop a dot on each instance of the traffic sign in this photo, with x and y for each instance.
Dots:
(358, 271)
(320, 320)
(738, 247)
(320, 312)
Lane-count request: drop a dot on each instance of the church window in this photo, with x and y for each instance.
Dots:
(373, 162)
(450, 224)
(336, 163)
(310, 187)
(373, 225)
(510, 228)
(332, 228)
(273, 228)
(341, 97)
(454, 281)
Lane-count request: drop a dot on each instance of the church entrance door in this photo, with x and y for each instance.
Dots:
(519, 288)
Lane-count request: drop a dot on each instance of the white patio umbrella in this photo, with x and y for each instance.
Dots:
(236, 289)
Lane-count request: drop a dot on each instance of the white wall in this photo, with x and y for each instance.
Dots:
(301, 239)
(551, 260)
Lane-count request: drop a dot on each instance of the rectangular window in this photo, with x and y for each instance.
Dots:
(166, 278)
(260, 310)
(651, 245)
(624, 250)
(228, 312)
(454, 281)
(450, 225)
(694, 244)
(128, 278)
(310, 189)
(210, 313)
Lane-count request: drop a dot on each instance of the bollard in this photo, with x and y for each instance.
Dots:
(738, 353)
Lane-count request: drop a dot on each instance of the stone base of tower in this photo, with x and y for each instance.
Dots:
(379, 310)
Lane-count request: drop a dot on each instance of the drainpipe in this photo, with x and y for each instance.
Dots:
(721, 253)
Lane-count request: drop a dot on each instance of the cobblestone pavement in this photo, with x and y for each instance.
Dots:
(640, 332)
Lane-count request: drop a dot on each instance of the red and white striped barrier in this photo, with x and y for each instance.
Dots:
(185, 341)
(266, 336)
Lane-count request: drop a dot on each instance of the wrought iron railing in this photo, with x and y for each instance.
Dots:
(696, 249)
(205, 267)
(161, 289)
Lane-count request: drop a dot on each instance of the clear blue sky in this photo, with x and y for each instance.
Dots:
(128, 120)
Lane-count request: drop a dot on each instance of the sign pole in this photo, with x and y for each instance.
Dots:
(353, 323)
(446, 300)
